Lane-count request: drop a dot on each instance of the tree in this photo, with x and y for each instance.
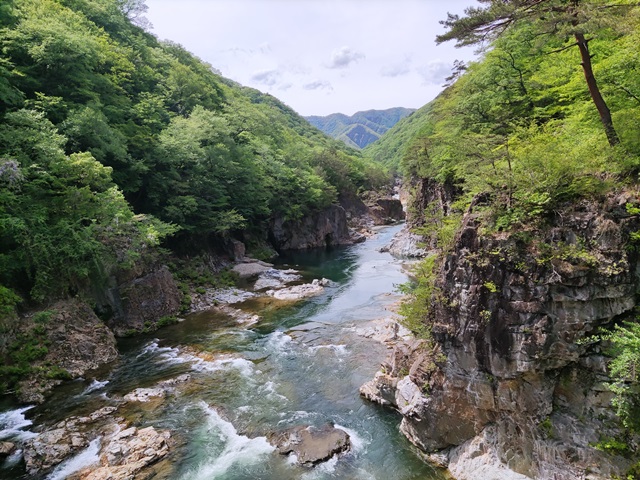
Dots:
(558, 19)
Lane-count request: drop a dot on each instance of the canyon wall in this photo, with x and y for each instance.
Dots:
(507, 387)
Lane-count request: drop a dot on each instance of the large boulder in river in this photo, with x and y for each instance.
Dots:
(309, 444)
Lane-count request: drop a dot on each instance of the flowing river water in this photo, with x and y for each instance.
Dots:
(302, 364)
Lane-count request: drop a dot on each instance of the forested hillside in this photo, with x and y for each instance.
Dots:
(361, 128)
(111, 140)
(520, 124)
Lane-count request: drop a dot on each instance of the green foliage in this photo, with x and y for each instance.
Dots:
(166, 320)
(519, 128)
(546, 426)
(624, 369)
(30, 345)
(8, 302)
(613, 446)
(491, 287)
(111, 141)
(419, 293)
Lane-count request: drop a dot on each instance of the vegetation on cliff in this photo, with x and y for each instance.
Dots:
(546, 119)
(110, 140)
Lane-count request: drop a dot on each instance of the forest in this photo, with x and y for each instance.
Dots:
(113, 142)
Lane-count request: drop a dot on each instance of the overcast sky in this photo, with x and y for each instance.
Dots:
(320, 56)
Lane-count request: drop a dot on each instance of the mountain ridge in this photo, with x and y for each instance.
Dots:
(362, 128)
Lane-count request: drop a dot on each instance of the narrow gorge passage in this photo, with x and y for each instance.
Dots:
(300, 365)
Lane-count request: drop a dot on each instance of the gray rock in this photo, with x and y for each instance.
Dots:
(274, 278)
(127, 452)
(406, 244)
(299, 292)
(144, 395)
(250, 270)
(311, 445)
(321, 229)
(82, 343)
(6, 449)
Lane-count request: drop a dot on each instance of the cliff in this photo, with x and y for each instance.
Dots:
(505, 388)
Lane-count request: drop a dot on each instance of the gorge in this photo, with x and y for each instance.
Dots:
(196, 283)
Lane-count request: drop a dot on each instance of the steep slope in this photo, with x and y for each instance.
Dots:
(362, 128)
(525, 310)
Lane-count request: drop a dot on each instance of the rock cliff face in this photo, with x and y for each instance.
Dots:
(421, 196)
(506, 390)
(322, 229)
(140, 302)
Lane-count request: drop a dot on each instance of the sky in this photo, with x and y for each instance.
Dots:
(320, 56)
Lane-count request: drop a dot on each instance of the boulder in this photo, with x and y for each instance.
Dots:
(6, 449)
(311, 445)
(144, 395)
(299, 292)
(251, 269)
(275, 278)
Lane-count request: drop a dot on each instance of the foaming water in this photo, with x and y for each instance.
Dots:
(237, 450)
(278, 342)
(94, 386)
(338, 349)
(358, 443)
(85, 459)
(13, 424)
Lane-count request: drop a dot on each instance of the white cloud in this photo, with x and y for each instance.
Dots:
(282, 48)
(343, 57)
(318, 85)
(397, 69)
(435, 72)
(266, 77)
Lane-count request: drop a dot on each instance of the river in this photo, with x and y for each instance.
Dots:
(302, 364)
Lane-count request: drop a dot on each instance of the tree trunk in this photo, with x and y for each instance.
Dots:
(596, 96)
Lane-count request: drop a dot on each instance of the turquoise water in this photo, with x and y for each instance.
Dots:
(302, 364)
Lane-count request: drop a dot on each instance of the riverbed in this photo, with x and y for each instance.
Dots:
(302, 364)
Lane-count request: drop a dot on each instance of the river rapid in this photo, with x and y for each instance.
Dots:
(300, 365)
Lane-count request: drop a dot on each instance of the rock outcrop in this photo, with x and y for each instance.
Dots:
(64, 439)
(298, 292)
(141, 302)
(507, 378)
(6, 449)
(321, 229)
(123, 451)
(386, 210)
(80, 342)
(127, 452)
(311, 445)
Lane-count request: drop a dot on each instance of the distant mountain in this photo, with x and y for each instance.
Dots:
(362, 128)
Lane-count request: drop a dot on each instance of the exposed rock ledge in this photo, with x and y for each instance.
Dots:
(82, 343)
(406, 244)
